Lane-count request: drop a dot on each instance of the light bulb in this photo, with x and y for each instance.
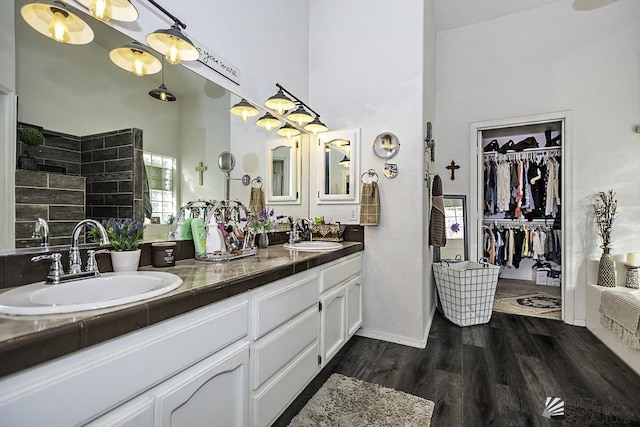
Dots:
(163, 95)
(101, 9)
(59, 29)
(173, 55)
(245, 115)
(268, 126)
(138, 68)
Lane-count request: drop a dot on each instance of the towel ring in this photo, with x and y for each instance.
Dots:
(370, 173)
(256, 180)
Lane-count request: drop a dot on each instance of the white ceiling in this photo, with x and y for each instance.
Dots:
(452, 14)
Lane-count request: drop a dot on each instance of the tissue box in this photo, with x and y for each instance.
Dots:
(328, 232)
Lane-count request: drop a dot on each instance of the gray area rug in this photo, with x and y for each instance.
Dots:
(349, 402)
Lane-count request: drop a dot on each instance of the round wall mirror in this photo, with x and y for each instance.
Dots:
(386, 146)
(226, 161)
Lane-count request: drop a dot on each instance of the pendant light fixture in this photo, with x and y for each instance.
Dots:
(54, 20)
(173, 44)
(346, 162)
(162, 93)
(279, 102)
(316, 126)
(288, 131)
(105, 10)
(268, 121)
(244, 110)
(300, 116)
(136, 59)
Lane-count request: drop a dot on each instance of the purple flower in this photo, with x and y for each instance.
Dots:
(455, 227)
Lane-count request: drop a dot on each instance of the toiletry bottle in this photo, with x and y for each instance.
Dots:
(199, 235)
(186, 229)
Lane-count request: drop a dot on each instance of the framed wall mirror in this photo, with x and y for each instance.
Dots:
(338, 167)
(455, 219)
(283, 174)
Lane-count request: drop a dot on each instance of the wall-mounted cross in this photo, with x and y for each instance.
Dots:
(200, 169)
(452, 167)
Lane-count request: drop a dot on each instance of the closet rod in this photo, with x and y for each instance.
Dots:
(519, 155)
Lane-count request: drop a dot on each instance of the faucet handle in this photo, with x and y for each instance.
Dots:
(92, 264)
(56, 270)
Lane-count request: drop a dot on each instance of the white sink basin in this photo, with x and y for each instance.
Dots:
(107, 290)
(314, 246)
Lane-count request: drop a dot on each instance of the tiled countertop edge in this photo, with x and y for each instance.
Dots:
(30, 350)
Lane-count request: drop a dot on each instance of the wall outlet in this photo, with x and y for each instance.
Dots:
(353, 214)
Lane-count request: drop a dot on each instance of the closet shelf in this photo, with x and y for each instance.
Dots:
(530, 153)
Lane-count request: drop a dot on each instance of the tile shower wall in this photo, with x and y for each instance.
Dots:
(57, 198)
(112, 163)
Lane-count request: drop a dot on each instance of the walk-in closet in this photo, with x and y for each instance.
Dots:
(521, 219)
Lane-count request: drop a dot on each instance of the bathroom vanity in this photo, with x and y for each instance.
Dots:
(234, 345)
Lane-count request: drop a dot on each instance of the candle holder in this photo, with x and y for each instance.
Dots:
(632, 277)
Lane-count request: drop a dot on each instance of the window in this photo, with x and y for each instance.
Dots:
(161, 171)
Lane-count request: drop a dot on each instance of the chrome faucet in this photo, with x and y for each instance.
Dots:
(75, 262)
(41, 232)
(56, 272)
(305, 230)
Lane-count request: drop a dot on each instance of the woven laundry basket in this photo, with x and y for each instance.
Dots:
(466, 290)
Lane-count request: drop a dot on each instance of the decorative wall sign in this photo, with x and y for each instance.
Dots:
(215, 62)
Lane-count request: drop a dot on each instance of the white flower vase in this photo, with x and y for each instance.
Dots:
(123, 261)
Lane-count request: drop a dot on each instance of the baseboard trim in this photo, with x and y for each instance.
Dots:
(400, 339)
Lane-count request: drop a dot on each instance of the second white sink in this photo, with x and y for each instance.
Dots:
(314, 246)
(107, 290)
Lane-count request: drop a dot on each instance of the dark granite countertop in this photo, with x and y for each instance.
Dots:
(26, 341)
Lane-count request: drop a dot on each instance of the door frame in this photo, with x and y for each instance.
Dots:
(476, 210)
(8, 109)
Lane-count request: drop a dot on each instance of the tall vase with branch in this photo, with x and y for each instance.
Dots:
(605, 209)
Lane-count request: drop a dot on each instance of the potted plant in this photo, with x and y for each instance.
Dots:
(604, 209)
(30, 137)
(262, 224)
(124, 235)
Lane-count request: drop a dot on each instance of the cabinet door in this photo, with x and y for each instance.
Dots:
(213, 392)
(354, 305)
(333, 325)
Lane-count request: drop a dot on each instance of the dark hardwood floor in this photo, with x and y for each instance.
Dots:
(497, 374)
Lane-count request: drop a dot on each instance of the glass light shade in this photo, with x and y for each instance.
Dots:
(268, 121)
(316, 126)
(105, 10)
(56, 22)
(279, 102)
(244, 110)
(162, 94)
(135, 58)
(173, 44)
(346, 162)
(300, 116)
(288, 131)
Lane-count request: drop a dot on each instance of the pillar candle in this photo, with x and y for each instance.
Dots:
(633, 259)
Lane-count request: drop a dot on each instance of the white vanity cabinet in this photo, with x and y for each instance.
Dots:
(237, 362)
(285, 343)
(172, 359)
(340, 304)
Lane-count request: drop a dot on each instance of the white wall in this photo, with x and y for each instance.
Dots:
(550, 59)
(204, 134)
(366, 71)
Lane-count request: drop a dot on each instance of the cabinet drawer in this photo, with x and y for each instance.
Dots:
(276, 305)
(275, 351)
(334, 275)
(278, 394)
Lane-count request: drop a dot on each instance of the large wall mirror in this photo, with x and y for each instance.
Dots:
(338, 167)
(77, 91)
(455, 217)
(283, 175)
